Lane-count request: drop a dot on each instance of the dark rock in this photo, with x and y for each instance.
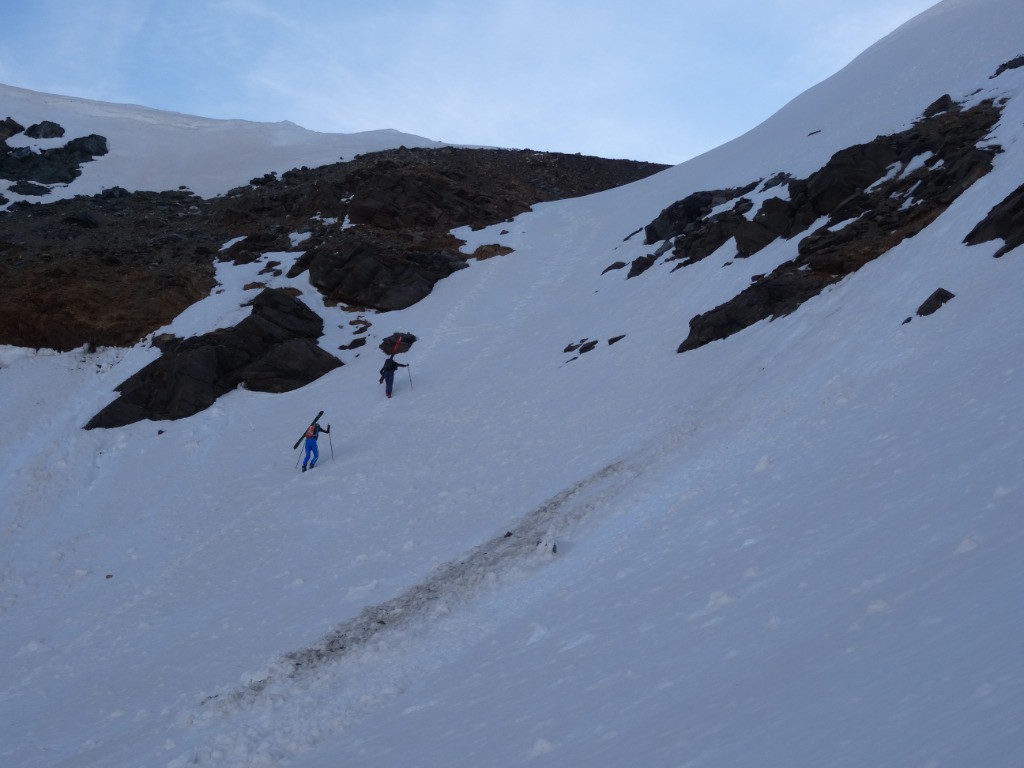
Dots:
(60, 165)
(64, 283)
(28, 188)
(1014, 63)
(256, 244)
(166, 342)
(272, 350)
(397, 343)
(775, 181)
(354, 344)
(675, 219)
(72, 271)
(640, 265)
(933, 302)
(703, 240)
(777, 216)
(287, 366)
(751, 237)
(85, 220)
(285, 315)
(359, 268)
(489, 251)
(880, 211)
(8, 128)
(1004, 222)
(44, 130)
(770, 298)
(681, 216)
(614, 266)
(941, 104)
(846, 175)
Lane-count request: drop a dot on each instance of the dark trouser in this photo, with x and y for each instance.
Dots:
(389, 382)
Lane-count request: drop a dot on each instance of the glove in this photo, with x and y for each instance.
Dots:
(381, 380)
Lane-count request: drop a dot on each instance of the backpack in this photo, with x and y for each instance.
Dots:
(311, 432)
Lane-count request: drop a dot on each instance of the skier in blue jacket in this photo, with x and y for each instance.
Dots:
(311, 435)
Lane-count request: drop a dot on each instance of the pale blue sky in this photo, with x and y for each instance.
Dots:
(659, 80)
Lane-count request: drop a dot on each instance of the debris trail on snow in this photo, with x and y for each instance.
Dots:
(369, 659)
(454, 582)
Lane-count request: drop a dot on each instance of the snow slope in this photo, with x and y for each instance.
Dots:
(800, 546)
(151, 149)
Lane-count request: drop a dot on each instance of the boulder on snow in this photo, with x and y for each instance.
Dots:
(397, 343)
(60, 165)
(933, 302)
(272, 350)
(47, 129)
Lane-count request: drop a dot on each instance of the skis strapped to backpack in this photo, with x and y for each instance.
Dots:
(312, 423)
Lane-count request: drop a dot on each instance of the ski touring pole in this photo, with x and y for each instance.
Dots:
(408, 369)
(331, 441)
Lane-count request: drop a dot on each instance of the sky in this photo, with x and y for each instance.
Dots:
(655, 80)
(799, 546)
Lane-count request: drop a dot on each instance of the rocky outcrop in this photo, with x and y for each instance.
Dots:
(1004, 222)
(366, 268)
(1014, 63)
(379, 225)
(109, 269)
(9, 127)
(873, 196)
(272, 350)
(58, 165)
(104, 270)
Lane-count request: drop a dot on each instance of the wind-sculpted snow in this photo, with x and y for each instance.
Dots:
(305, 695)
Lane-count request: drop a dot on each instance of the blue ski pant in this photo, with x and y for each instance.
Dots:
(311, 449)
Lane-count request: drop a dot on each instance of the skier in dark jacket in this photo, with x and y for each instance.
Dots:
(387, 373)
(312, 433)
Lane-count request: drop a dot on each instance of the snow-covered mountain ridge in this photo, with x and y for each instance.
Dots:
(797, 545)
(153, 149)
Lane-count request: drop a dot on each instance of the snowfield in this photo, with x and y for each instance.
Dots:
(800, 546)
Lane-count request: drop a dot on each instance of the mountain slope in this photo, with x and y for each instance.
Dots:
(797, 545)
(156, 150)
